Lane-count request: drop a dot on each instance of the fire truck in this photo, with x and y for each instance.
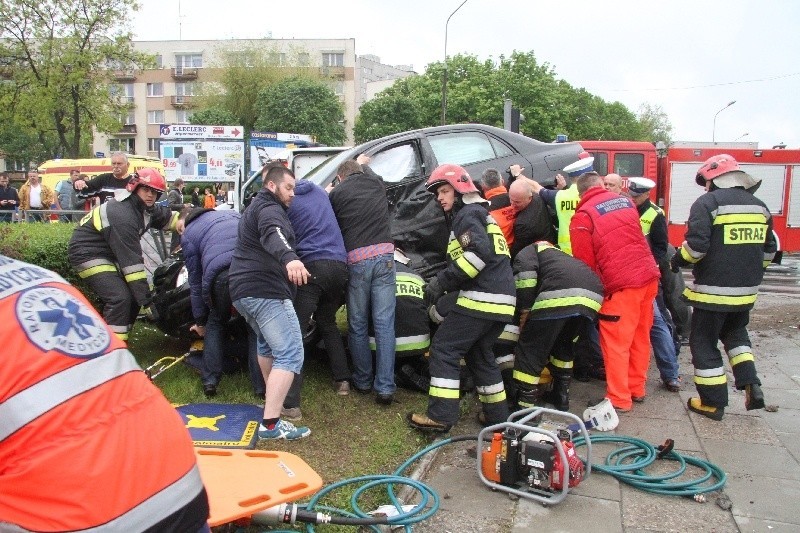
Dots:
(673, 169)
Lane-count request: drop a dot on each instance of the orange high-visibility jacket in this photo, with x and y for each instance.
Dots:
(86, 441)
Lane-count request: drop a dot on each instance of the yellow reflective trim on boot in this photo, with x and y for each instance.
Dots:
(559, 363)
(696, 405)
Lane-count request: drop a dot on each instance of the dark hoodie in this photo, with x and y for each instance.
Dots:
(318, 235)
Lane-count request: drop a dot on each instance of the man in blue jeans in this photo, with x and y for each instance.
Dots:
(362, 211)
(264, 272)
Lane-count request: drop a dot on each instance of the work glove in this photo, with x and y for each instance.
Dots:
(675, 262)
(433, 291)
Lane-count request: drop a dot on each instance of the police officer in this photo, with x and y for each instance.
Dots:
(105, 248)
(560, 297)
(479, 268)
(729, 242)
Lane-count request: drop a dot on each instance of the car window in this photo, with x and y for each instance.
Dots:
(500, 149)
(629, 164)
(600, 162)
(396, 163)
(462, 148)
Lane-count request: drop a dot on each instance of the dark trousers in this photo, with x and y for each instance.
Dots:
(710, 379)
(547, 342)
(321, 297)
(119, 306)
(219, 315)
(588, 356)
(462, 336)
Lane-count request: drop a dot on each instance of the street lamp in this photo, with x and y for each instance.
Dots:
(714, 131)
(742, 136)
(444, 80)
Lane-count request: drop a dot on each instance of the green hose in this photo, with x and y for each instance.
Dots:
(628, 464)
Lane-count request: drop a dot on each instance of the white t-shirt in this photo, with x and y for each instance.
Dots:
(36, 196)
(187, 162)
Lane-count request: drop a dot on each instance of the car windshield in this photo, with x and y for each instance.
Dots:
(327, 169)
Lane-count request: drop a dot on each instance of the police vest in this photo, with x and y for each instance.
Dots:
(647, 218)
(87, 443)
(566, 204)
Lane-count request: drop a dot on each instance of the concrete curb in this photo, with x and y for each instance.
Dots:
(406, 493)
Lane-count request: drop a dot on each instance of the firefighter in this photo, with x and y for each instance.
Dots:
(480, 269)
(105, 248)
(729, 242)
(560, 297)
(87, 442)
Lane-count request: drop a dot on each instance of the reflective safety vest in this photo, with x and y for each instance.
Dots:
(566, 204)
(87, 443)
(646, 219)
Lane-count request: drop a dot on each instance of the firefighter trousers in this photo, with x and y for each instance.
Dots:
(626, 317)
(710, 379)
(548, 342)
(119, 306)
(472, 338)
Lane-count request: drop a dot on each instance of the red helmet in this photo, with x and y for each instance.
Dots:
(714, 167)
(149, 177)
(452, 174)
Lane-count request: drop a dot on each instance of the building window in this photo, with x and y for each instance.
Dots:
(122, 90)
(153, 144)
(159, 61)
(155, 89)
(155, 117)
(338, 88)
(185, 88)
(333, 59)
(127, 118)
(182, 116)
(303, 59)
(276, 58)
(189, 60)
(122, 145)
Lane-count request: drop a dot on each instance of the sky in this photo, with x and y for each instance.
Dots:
(691, 58)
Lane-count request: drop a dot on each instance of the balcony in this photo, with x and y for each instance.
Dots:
(184, 73)
(182, 101)
(334, 73)
(124, 75)
(128, 130)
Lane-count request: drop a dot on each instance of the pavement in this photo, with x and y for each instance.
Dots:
(758, 450)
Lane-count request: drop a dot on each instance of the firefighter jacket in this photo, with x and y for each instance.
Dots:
(412, 327)
(606, 235)
(553, 284)
(46, 193)
(86, 440)
(265, 245)
(208, 242)
(654, 227)
(729, 242)
(479, 266)
(107, 239)
(502, 212)
(566, 203)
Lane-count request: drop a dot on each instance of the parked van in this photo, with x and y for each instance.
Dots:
(55, 170)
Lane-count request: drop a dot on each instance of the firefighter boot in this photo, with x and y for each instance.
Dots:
(529, 396)
(754, 397)
(559, 396)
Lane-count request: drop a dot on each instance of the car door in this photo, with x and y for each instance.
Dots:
(474, 150)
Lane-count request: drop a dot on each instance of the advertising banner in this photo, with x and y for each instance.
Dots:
(268, 146)
(202, 153)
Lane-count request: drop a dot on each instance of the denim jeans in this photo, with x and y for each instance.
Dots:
(371, 294)
(663, 347)
(277, 329)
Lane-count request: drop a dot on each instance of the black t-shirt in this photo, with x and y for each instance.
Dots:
(105, 181)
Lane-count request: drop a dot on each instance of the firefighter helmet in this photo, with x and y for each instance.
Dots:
(149, 177)
(453, 175)
(714, 167)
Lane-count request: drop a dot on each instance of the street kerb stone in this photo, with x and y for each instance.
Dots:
(575, 514)
(747, 524)
(748, 459)
(461, 490)
(763, 497)
(655, 512)
(791, 442)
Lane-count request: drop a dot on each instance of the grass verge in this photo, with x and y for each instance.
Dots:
(351, 435)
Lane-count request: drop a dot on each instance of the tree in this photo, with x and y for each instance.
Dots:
(214, 116)
(654, 123)
(58, 58)
(386, 114)
(302, 105)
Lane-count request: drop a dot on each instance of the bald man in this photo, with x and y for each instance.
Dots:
(533, 218)
(613, 183)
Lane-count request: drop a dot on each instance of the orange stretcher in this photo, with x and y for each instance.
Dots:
(242, 482)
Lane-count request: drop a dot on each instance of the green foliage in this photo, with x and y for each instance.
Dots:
(385, 115)
(302, 105)
(214, 116)
(655, 124)
(56, 59)
(40, 244)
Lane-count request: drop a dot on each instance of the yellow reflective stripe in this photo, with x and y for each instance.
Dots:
(497, 309)
(741, 358)
(647, 218)
(544, 245)
(525, 378)
(122, 336)
(173, 222)
(135, 276)
(687, 256)
(410, 278)
(716, 380)
(567, 301)
(438, 392)
(740, 218)
(466, 267)
(96, 270)
(528, 283)
(559, 363)
(766, 263)
(717, 299)
(96, 220)
(492, 398)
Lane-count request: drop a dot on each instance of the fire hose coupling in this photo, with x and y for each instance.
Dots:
(289, 513)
